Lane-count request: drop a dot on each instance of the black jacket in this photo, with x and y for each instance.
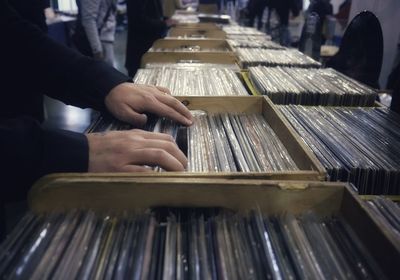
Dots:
(34, 64)
(145, 25)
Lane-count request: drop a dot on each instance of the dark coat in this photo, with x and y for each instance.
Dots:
(145, 25)
(34, 64)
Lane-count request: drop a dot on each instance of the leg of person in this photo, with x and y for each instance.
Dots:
(251, 18)
(285, 39)
(260, 13)
(136, 52)
(108, 52)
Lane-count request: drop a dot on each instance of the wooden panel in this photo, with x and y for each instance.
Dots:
(300, 152)
(200, 57)
(101, 192)
(200, 25)
(395, 198)
(202, 43)
(386, 251)
(196, 32)
(222, 104)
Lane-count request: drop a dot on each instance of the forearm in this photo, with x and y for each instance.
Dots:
(29, 152)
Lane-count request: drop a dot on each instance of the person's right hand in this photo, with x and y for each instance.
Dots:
(131, 150)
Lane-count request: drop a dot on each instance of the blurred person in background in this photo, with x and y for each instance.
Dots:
(323, 8)
(343, 13)
(146, 24)
(97, 23)
(283, 8)
(255, 9)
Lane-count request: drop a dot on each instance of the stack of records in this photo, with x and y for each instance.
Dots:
(388, 213)
(285, 85)
(220, 142)
(289, 57)
(189, 49)
(187, 65)
(186, 18)
(235, 142)
(358, 145)
(193, 82)
(184, 244)
(241, 30)
(260, 42)
(105, 123)
(222, 19)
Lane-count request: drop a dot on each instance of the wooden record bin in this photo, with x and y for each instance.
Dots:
(309, 166)
(136, 193)
(196, 33)
(394, 198)
(199, 25)
(193, 57)
(220, 46)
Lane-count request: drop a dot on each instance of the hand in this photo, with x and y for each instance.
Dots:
(171, 22)
(128, 151)
(128, 102)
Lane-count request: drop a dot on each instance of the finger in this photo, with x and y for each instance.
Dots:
(176, 105)
(164, 110)
(153, 135)
(170, 147)
(164, 90)
(135, 168)
(130, 116)
(156, 157)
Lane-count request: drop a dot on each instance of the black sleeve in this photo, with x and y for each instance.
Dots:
(58, 71)
(29, 152)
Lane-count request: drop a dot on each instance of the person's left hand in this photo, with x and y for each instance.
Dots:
(128, 102)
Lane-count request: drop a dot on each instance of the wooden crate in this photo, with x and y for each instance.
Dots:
(308, 165)
(249, 84)
(395, 198)
(310, 168)
(389, 232)
(193, 57)
(200, 25)
(196, 33)
(135, 193)
(219, 45)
